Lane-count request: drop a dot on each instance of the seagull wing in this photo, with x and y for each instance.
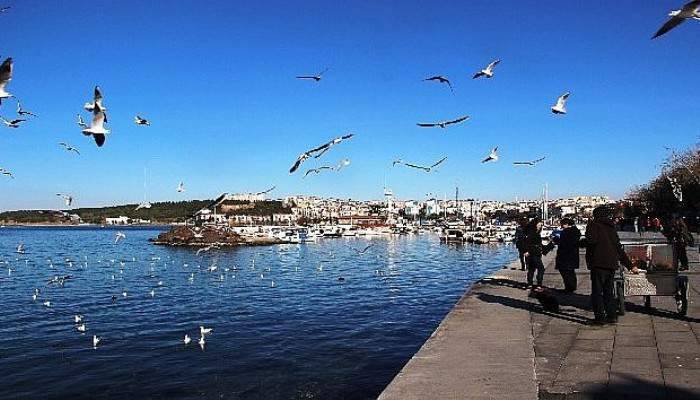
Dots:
(538, 160)
(98, 95)
(478, 75)
(458, 120)
(308, 171)
(670, 24)
(417, 166)
(523, 163)
(438, 163)
(17, 121)
(561, 101)
(298, 162)
(426, 124)
(5, 72)
(99, 139)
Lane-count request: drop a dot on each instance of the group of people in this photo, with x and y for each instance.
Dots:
(603, 252)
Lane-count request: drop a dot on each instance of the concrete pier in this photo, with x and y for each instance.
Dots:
(497, 343)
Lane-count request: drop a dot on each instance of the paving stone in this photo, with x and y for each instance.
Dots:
(639, 341)
(588, 357)
(667, 347)
(683, 378)
(680, 360)
(636, 366)
(671, 326)
(635, 352)
(593, 344)
(676, 336)
(634, 330)
(592, 333)
(583, 373)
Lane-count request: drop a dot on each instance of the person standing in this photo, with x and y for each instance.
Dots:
(567, 260)
(533, 252)
(603, 251)
(520, 241)
(680, 237)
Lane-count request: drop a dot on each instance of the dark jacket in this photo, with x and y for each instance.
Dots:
(603, 248)
(533, 243)
(679, 234)
(567, 249)
(520, 238)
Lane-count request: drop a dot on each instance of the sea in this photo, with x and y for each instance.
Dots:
(317, 320)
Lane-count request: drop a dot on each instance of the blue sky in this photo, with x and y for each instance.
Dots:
(217, 81)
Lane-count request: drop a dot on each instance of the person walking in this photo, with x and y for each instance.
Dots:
(533, 252)
(603, 251)
(567, 259)
(680, 237)
(520, 241)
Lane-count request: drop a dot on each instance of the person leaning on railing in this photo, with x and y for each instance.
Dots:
(603, 252)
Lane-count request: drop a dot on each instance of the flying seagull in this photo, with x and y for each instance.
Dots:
(690, 10)
(493, 156)
(316, 78)
(22, 111)
(97, 127)
(363, 250)
(4, 9)
(529, 163)
(119, 236)
(342, 164)
(488, 71)
(66, 197)
(81, 122)
(145, 204)
(140, 121)
(206, 249)
(12, 123)
(560, 107)
(440, 79)
(69, 148)
(426, 169)
(7, 173)
(317, 170)
(267, 191)
(181, 187)
(318, 151)
(5, 77)
(442, 124)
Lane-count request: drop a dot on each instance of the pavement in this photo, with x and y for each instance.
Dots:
(498, 343)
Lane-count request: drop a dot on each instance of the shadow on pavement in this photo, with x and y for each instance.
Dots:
(625, 387)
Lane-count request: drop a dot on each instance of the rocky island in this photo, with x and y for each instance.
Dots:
(208, 236)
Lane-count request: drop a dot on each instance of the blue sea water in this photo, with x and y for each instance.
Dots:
(310, 336)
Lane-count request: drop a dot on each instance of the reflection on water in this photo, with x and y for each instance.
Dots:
(335, 324)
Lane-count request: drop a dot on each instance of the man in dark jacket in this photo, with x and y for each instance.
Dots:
(680, 237)
(567, 260)
(533, 251)
(603, 251)
(520, 241)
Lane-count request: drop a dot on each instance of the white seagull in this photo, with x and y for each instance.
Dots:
(69, 148)
(97, 101)
(66, 197)
(690, 10)
(81, 327)
(145, 204)
(95, 341)
(22, 111)
(493, 156)
(97, 126)
(317, 170)
(426, 169)
(20, 248)
(201, 342)
(442, 124)
(119, 236)
(440, 79)
(14, 123)
(181, 187)
(141, 121)
(531, 163)
(318, 151)
(205, 331)
(5, 77)
(187, 339)
(488, 71)
(81, 122)
(78, 318)
(560, 107)
(315, 78)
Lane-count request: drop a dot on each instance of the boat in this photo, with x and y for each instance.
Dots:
(453, 235)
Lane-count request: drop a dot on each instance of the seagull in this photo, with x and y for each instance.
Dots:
(493, 156)
(690, 10)
(12, 123)
(440, 79)
(488, 71)
(317, 170)
(97, 127)
(318, 151)
(205, 331)
(205, 249)
(342, 164)
(5, 77)
(4, 9)
(81, 327)
(140, 121)
(442, 124)
(560, 107)
(6, 173)
(95, 341)
(69, 148)
(181, 187)
(81, 122)
(266, 191)
(362, 251)
(529, 163)
(152, 293)
(21, 111)
(47, 303)
(145, 204)
(187, 339)
(119, 236)
(201, 342)
(316, 78)
(20, 248)
(426, 169)
(66, 197)
(97, 102)
(78, 318)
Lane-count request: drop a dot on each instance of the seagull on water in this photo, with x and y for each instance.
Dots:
(119, 236)
(81, 327)
(440, 79)
(318, 151)
(69, 148)
(20, 248)
(5, 77)
(442, 124)
(205, 331)
(690, 10)
(529, 163)
(21, 111)
(187, 339)
(97, 126)
(141, 121)
(426, 169)
(14, 123)
(493, 156)
(181, 187)
(66, 197)
(95, 341)
(201, 342)
(488, 71)
(78, 318)
(560, 107)
(315, 78)
(47, 303)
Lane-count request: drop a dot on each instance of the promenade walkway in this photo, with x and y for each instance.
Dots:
(499, 344)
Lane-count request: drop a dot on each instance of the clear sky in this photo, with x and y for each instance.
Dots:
(217, 81)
